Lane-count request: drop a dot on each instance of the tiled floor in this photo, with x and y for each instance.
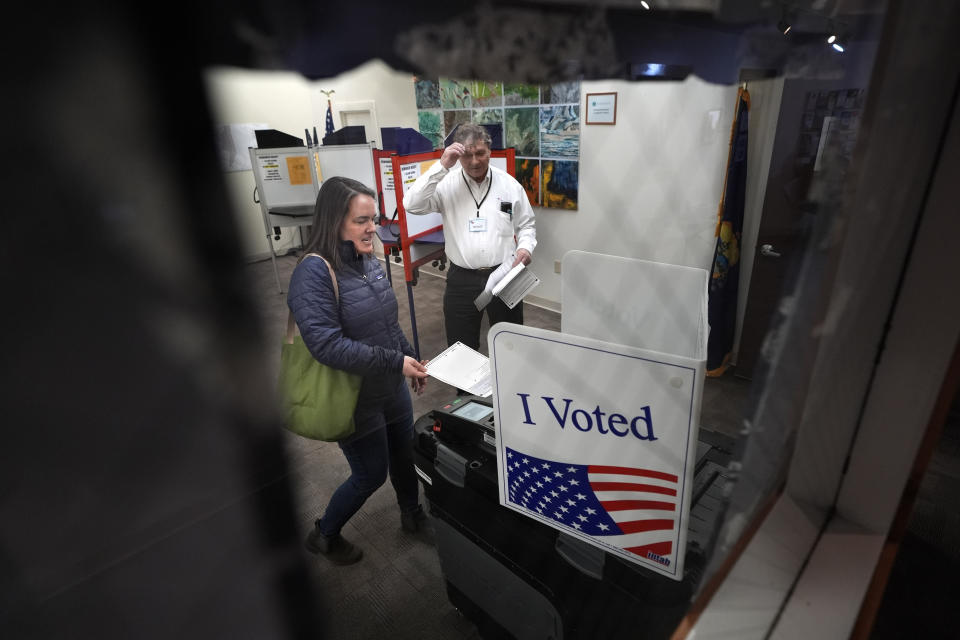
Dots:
(397, 590)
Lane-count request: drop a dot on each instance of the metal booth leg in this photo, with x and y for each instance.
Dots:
(273, 259)
(386, 260)
(413, 321)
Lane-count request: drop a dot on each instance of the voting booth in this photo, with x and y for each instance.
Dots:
(600, 441)
(581, 499)
(289, 178)
(419, 238)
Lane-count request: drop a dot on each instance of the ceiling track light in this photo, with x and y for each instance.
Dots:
(836, 34)
(831, 31)
(785, 24)
(643, 3)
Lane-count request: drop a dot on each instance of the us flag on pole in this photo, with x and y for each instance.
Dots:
(329, 124)
(630, 508)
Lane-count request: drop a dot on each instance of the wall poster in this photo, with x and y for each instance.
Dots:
(602, 108)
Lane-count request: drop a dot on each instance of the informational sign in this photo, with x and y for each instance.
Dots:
(597, 440)
(417, 224)
(601, 108)
(411, 171)
(284, 176)
(386, 182)
(386, 173)
(299, 170)
(270, 168)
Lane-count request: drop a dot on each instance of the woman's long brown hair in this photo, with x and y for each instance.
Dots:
(333, 203)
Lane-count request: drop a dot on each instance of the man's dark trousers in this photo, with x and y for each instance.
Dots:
(460, 315)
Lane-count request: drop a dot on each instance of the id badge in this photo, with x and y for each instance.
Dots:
(478, 224)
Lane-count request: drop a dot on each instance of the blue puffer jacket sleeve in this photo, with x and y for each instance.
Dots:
(404, 345)
(312, 300)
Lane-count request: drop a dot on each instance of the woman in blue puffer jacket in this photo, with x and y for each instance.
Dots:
(360, 334)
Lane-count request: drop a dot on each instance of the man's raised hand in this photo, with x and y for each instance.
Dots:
(451, 154)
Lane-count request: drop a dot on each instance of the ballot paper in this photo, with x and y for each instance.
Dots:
(462, 367)
(510, 284)
(515, 285)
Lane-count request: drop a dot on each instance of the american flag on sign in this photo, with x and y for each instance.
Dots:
(630, 508)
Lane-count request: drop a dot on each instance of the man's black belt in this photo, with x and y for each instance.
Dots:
(480, 270)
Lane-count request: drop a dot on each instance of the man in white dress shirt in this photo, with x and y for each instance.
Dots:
(487, 219)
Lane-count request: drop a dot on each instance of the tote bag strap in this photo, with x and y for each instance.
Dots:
(291, 323)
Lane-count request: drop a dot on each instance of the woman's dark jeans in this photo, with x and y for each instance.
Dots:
(388, 449)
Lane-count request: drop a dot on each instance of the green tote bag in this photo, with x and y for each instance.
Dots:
(318, 400)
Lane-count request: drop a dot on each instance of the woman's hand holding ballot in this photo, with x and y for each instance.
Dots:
(417, 373)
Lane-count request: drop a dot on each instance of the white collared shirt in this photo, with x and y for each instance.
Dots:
(455, 195)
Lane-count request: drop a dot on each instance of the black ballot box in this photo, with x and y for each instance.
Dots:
(515, 577)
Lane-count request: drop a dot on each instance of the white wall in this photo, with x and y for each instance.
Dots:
(391, 91)
(649, 185)
(290, 103)
(282, 101)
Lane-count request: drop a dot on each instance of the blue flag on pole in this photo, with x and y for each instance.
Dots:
(329, 119)
(725, 272)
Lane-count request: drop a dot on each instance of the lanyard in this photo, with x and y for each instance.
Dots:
(471, 192)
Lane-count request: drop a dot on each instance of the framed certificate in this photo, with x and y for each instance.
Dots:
(602, 108)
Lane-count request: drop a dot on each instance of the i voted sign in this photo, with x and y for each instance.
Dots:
(597, 440)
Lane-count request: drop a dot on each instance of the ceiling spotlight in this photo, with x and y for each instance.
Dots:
(784, 27)
(643, 3)
(838, 47)
(832, 31)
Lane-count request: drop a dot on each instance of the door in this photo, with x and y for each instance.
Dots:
(779, 241)
(362, 113)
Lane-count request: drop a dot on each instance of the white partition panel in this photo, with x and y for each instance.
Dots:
(652, 305)
(348, 160)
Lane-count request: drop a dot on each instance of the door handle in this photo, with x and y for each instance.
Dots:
(767, 250)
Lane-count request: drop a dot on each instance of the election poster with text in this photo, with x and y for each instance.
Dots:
(597, 440)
